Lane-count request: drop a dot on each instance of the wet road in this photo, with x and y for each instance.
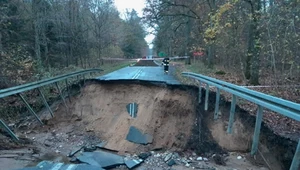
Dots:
(149, 73)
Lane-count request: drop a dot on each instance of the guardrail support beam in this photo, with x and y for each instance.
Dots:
(68, 90)
(217, 104)
(61, 96)
(255, 141)
(199, 93)
(232, 112)
(11, 133)
(30, 108)
(206, 97)
(296, 160)
(45, 102)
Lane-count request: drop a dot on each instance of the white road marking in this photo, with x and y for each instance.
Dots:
(57, 166)
(137, 74)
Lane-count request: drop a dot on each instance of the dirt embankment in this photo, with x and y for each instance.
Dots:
(170, 114)
(165, 113)
(275, 152)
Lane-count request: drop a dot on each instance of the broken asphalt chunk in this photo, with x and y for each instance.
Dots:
(73, 152)
(101, 145)
(136, 136)
(48, 165)
(101, 159)
(132, 163)
(89, 148)
(171, 162)
(144, 155)
(132, 109)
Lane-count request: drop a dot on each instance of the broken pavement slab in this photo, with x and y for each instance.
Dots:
(132, 109)
(101, 159)
(73, 152)
(132, 163)
(48, 165)
(136, 136)
(144, 155)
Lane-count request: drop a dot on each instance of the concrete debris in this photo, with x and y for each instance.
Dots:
(176, 155)
(157, 155)
(168, 157)
(136, 136)
(199, 159)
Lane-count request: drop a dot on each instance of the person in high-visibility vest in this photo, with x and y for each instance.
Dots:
(166, 62)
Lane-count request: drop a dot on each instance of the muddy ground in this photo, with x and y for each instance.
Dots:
(170, 114)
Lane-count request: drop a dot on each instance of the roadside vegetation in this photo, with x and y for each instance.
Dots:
(41, 38)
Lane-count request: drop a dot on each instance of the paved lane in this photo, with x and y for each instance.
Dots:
(149, 73)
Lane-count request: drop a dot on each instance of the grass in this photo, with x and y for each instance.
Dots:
(197, 67)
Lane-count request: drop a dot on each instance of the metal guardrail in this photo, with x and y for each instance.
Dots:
(281, 106)
(17, 90)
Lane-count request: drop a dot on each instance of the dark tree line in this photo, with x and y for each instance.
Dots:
(248, 36)
(37, 36)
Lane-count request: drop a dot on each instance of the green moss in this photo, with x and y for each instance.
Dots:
(220, 72)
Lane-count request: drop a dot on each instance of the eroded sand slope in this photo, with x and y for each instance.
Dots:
(166, 114)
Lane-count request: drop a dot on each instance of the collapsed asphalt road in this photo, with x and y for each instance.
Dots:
(99, 131)
(114, 124)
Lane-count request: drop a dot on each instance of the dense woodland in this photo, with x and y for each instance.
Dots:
(38, 37)
(253, 37)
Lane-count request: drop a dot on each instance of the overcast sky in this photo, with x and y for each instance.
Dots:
(137, 5)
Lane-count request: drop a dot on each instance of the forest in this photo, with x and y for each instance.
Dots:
(257, 38)
(39, 37)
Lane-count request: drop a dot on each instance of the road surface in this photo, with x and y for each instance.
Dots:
(149, 73)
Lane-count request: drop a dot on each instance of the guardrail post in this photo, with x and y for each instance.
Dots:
(217, 104)
(78, 79)
(296, 160)
(231, 117)
(67, 89)
(199, 93)
(255, 141)
(83, 80)
(11, 133)
(45, 102)
(61, 96)
(206, 97)
(30, 109)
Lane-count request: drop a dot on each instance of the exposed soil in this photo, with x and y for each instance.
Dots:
(275, 151)
(170, 114)
(165, 113)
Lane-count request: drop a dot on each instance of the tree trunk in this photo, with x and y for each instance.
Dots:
(1, 47)
(211, 46)
(254, 79)
(252, 59)
(37, 48)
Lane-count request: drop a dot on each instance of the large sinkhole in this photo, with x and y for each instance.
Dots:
(110, 109)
